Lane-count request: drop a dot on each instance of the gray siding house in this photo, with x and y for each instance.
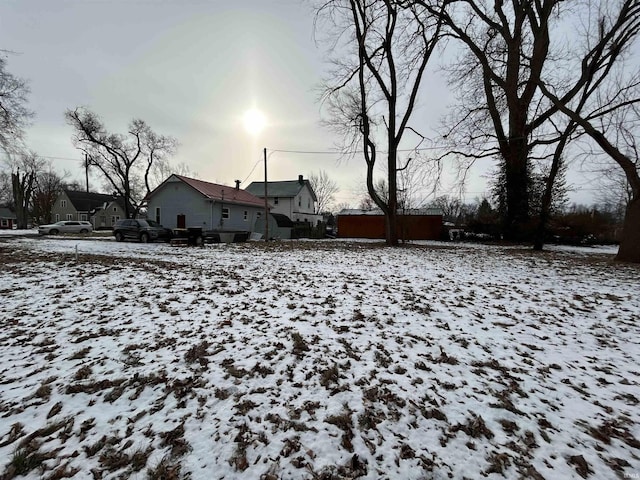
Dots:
(102, 210)
(183, 202)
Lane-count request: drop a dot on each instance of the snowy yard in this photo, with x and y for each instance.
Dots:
(316, 360)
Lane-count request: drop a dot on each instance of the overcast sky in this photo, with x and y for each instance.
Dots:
(191, 69)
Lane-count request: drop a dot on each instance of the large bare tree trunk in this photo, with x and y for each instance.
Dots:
(22, 191)
(629, 250)
(517, 181)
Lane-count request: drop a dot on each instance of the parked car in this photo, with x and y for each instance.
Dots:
(65, 226)
(142, 230)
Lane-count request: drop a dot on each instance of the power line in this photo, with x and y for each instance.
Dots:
(252, 170)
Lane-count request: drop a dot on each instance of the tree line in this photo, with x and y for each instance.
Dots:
(526, 91)
(129, 165)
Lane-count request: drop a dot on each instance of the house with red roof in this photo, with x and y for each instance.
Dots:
(183, 202)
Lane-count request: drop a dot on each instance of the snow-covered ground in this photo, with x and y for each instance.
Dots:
(316, 360)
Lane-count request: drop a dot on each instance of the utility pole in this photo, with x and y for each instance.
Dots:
(266, 200)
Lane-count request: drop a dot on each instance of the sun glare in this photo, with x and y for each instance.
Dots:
(254, 121)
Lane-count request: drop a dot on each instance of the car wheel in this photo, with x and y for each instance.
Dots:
(119, 237)
(53, 232)
(144, 238)
(84, 230)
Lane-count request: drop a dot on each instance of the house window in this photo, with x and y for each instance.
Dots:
(246, 215)
(115, 209)
(308, 203)
(63, 203)
(225, 213)
(299, 201)
(5, 222)
(69, 216)
(57, 217)
(258, 214)
(275, 200)
(158, 215)
(114, 219)
(83, 217)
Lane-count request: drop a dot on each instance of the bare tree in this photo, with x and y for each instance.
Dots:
(374, 86)
(341, 206)
(47, 187)
(622, 146)
(14, 115)
(163, 169)
(509, 47)
(6, 192)
(453, 208)
(125, 161)
(324, 188)
(24, 171)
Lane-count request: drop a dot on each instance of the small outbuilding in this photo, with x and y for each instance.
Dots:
(413, 224)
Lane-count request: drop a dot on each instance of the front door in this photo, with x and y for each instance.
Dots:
(182, 221)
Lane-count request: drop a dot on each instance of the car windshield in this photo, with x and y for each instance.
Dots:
(153, 223)
(62, 222)
(143, 223)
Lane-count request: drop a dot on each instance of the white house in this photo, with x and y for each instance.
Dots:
(293, 198)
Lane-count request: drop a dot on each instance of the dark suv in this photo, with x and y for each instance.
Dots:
(139, 229)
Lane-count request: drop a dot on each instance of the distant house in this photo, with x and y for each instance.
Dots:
(102, 210)
(413, 224)
(183, 202)
(293, 198)
(7, 218)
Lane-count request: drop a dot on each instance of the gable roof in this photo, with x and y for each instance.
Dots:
(215, 191)
(5, 212)
(282, 189)
(86, 201)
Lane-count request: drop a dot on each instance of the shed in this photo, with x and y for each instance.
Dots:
(412, 224)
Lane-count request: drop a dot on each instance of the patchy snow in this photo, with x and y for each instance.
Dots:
(307, 360)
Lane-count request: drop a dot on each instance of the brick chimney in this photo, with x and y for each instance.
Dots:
(300, 180)
(237, 184)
